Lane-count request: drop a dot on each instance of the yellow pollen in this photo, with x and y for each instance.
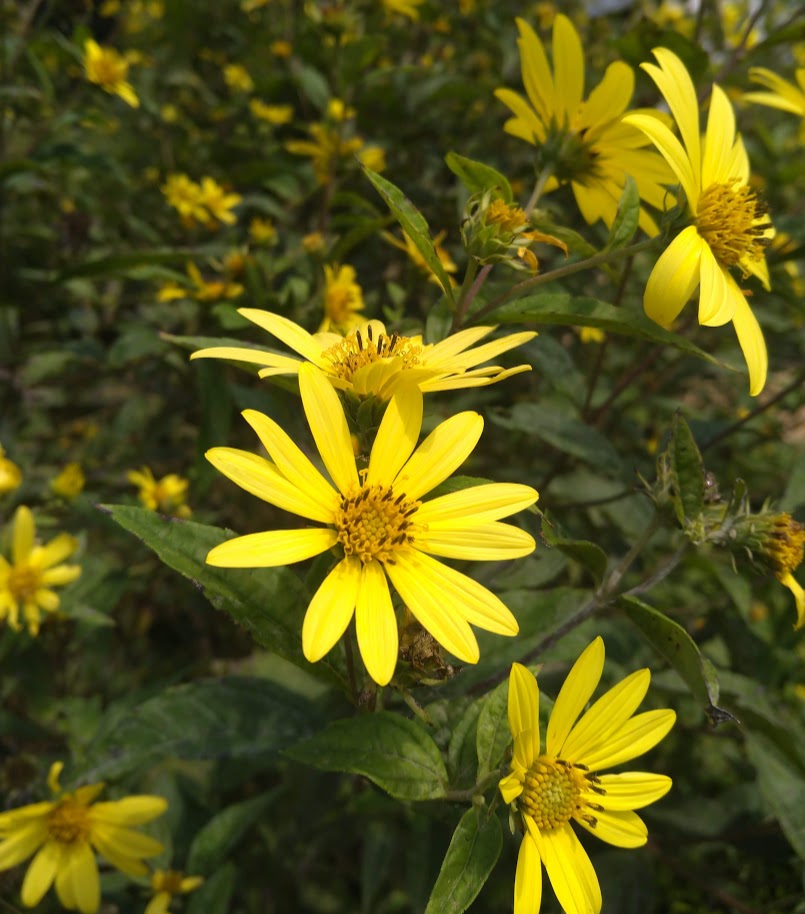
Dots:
(553, 793)
(356, 350)
(509, 218)
(733, 220)
(374, 523)
(24, 581)
(786, 544)
(69, 822)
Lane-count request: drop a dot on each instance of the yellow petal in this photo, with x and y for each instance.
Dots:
(716, 301)
(294, 336)
(528, 878)
(14, 819)
(47, 600)
(104, 841)
(446, 625)
(22, 540)
(636, 736)
(480, 542)
(134, 810)
(129, 842)
(442, 452)
(536, 73)
(480, 354)
(19, 844)
(82, 873)
(478, 503)
(631, 789)
(158, 904)
(61, 575)
(671, 150)
(448, 348)
(272, 548)
(41, 873)
(283, 364)
(293, 464)
(376, 624)
(328, 424)
(750, 337)
(789, 581)
(526, 749)
(568, 68)
(606, 716)
(397, 436)
(576, 691)
(570, 871)
(623, 829)
(718, 140)
(527, 125)
(511, 787)
(57, 550)
(610, 98)
(331, 608)
(523, 701)
(674, 277)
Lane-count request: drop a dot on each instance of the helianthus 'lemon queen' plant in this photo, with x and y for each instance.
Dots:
(379, 526)
(549, 788)
(371, 361)
(730, 224)
(782, 94)
(589, 146)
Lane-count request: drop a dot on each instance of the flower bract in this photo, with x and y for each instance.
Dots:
(378, 524)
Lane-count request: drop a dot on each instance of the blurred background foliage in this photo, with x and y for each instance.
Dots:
(139, 679)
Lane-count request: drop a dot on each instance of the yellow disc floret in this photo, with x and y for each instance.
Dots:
(69, 822)
(732, 222)
(374, 523)
(357, 351)
(552, 793)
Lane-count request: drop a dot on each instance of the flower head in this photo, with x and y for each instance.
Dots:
(108, 69)
(237, 78)
(10, 474)
(167, 495)
(326, 147)
(370, 361)
(406, 8)
(271, 114)
(548, 789)
(783, 547)
(166, 884)
(218, 202)
(67, 832)
(782, 94)
(184, 195)
(730, 226)
(262, 231)
(376, 520)
(69, 482)
(202, 289)
(26, 581)
(585, 142)
(343, 299)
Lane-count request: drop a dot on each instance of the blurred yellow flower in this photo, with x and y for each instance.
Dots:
(782, 94)
(343, 299)
(26, 581)
(418, 260)
(591, 334)
(10, 474)
(237, 78)
(184, 195)
(272, 114)
(262, 231)
(200, 289)
(69, 482)
(338, 111)
(313, 242)
(730, 224)
(219, 203)
(403, 7)
(373, 157)
(281, 48)
(67, 832)
(325, 148)
(108, 69)
(588, 144)
(166, 884)
(371, 362)
(380, 525)
(167, 495)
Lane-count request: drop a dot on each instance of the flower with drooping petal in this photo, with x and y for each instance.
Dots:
(108, 69)
(379, 526)
(27, 581)
(369, 361)
(548, 789)
(66, 833)
(166, 884)
(730, 226)
(589, 145)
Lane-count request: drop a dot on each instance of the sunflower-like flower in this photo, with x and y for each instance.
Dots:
(108, 69)
(782, 94)
(369, 361)
(548, 789)
(730, 226)
(66, 832)
(343, 299)
(377, 521)
(584, 142)
(27, 581)
(167, 495)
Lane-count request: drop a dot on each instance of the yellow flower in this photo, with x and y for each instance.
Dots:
(418, 260)
(730, 225)
(548, 789)
(69, 482)
(67, 832)
(262, 231)
(325, 149)
(593, 149)
(313, 242)
(403, 7)
(26, 581)
(381, 527)
(272, 114)
(10, 474)
(218, 201)
(370, 361)
(281, 48)
(184, 195)
(343, 299)
(167, 495)
(338, 111)
(166, 884)
(202, 289)
(108, 69)
(237, 78)
(591, 334)
(784, 547)
(373, 157)
(782, 94)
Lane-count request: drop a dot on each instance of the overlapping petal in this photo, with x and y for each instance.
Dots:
(576, 691)
(331, 609)
(523, 701)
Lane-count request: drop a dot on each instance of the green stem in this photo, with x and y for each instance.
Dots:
(412, 703)
(465, 295)
(542, 180)
(461, 796)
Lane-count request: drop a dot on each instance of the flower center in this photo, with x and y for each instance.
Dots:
(786, 544)
(733, 222)
(550, 792)
(106, 71)
(23, 581)
(374, 524)
(170, 881)
(69, 822)
(509, 218)
(355, 351)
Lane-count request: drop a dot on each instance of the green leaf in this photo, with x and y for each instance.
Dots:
(312, 83)
(672, 642)
(687, 471)
(214, 895)
(395, 753)
(474, 850)
(219, 837)
(566, 310)
(230, 718)
(625, 223)
(269, 602)
(477, 177)
(587, 554)
(782, 784)
(413, 224)
(493, 734)
(462, 758)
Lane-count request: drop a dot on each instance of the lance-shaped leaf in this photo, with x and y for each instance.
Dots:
(587, 554)
(625, 223)
(687, 472)
(477, 177)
